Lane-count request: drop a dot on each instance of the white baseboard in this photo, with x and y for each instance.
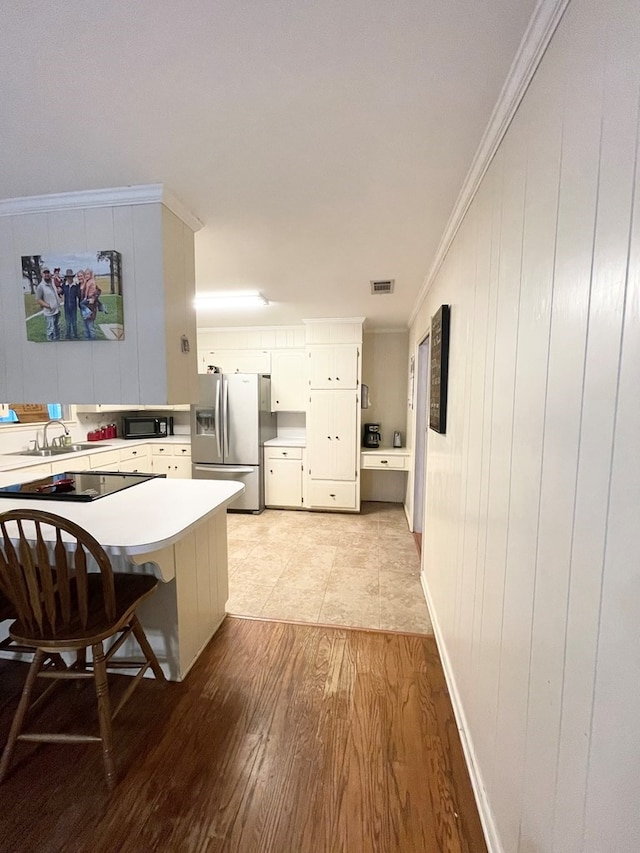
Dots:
(492, 838)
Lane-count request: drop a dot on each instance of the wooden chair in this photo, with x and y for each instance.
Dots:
(62, 607)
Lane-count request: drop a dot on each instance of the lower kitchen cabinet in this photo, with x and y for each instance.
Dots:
(174, 460)
(283, 478)
(337, 494)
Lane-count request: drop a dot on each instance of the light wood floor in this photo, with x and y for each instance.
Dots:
(284, 739)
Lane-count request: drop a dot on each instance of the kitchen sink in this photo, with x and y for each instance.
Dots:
(60, 451)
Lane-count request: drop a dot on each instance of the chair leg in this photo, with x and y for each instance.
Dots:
(104, 713)
(141, 637)
(21, 713)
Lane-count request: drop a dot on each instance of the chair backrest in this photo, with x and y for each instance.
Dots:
(49, 595)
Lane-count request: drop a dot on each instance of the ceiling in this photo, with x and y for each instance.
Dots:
(321, 144)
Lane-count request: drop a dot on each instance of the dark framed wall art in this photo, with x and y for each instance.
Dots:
(73, 296)
(440, 323)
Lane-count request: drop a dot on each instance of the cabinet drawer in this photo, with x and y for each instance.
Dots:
(383, 462)
(182, 450)
(161, 449)
(332, 494)
(108, 460)
(136, 452)
(283, 453)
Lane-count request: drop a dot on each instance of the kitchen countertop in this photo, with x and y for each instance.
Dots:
(286, 442)
(385, 451)
(12, 461)
(138, 520)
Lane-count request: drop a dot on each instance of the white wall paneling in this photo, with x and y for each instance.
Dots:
(158, 285)
(530, 533)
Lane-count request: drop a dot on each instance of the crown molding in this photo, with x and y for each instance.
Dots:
(544, 21)
(335, 320)
(111, 197)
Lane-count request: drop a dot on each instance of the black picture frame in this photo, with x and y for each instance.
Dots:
(439, 373)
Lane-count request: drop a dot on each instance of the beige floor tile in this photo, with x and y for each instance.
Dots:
(247, 599)
(257, 571)
(342, 569)
(287, 603)
(362, 611)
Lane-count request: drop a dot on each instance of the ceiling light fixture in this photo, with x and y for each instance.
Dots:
(216, 301)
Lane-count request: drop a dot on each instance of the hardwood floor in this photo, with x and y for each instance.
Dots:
(284, 738)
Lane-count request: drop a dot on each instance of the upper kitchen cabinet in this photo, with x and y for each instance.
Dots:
(333, 367)
(288, 380)
(236, 361)
(156, 360)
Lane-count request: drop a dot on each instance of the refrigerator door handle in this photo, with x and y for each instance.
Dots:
(218, 445)
(226, 419)
(225, 469)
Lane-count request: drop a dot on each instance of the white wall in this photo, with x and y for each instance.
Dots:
(531, 531)
(158, 288)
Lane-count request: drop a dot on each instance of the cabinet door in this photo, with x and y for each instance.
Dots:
(333, 367)
(332, 435)
(237, 361)
(283, 482)
(181, 467)
(288, 380)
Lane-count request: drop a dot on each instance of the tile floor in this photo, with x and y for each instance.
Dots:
(332, 568)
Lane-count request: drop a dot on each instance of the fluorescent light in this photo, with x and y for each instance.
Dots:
(240, 299)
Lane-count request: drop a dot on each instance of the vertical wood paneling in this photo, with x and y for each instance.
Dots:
(124, 242)
(11, 304)
(508, 278)
(613, 378)
(530, 530)
(148, 266)
(533, 323)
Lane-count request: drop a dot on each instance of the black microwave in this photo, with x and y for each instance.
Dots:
(144, 427)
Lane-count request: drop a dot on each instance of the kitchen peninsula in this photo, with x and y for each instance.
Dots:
(175, 529)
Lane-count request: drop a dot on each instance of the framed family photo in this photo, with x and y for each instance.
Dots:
(73, 296)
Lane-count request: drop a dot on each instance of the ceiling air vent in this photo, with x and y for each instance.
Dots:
(384, 286)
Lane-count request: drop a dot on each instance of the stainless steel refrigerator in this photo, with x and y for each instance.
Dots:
(229, 426)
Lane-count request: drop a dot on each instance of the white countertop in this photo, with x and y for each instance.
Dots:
(286, 442)
(141, 519)
(385, 451)
(11, 461)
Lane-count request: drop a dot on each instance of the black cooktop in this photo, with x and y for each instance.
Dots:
(75, 486)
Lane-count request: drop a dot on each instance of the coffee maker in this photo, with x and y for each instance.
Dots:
(371, 436)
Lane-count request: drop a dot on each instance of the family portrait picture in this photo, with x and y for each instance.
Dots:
(73, 296)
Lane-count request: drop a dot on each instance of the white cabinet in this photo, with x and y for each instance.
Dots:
(237, 360)
(174, 460)
(4, 410)
(283, 477)
(288, 380)
(333, 367)
(107, 460)
(80, 463)
(99, 408)
(136, 460)
(332, 435)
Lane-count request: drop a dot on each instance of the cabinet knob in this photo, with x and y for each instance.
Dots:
(329, 378)
(329, 437)
(134, 452)
(383, 461)
(332, 496)
(337, 438)
(284, 452)
(337, 379)
(162, 450)
(271, 470)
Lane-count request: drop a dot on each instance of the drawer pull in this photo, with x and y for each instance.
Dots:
(331, 496)
(384, 461)
(284, 452)
(161, 450)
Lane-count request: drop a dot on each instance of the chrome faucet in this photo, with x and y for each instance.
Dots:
(46, 427)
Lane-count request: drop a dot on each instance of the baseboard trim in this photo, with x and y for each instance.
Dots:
(491, 835)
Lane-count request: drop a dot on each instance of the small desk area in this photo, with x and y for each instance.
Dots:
(391, 487)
